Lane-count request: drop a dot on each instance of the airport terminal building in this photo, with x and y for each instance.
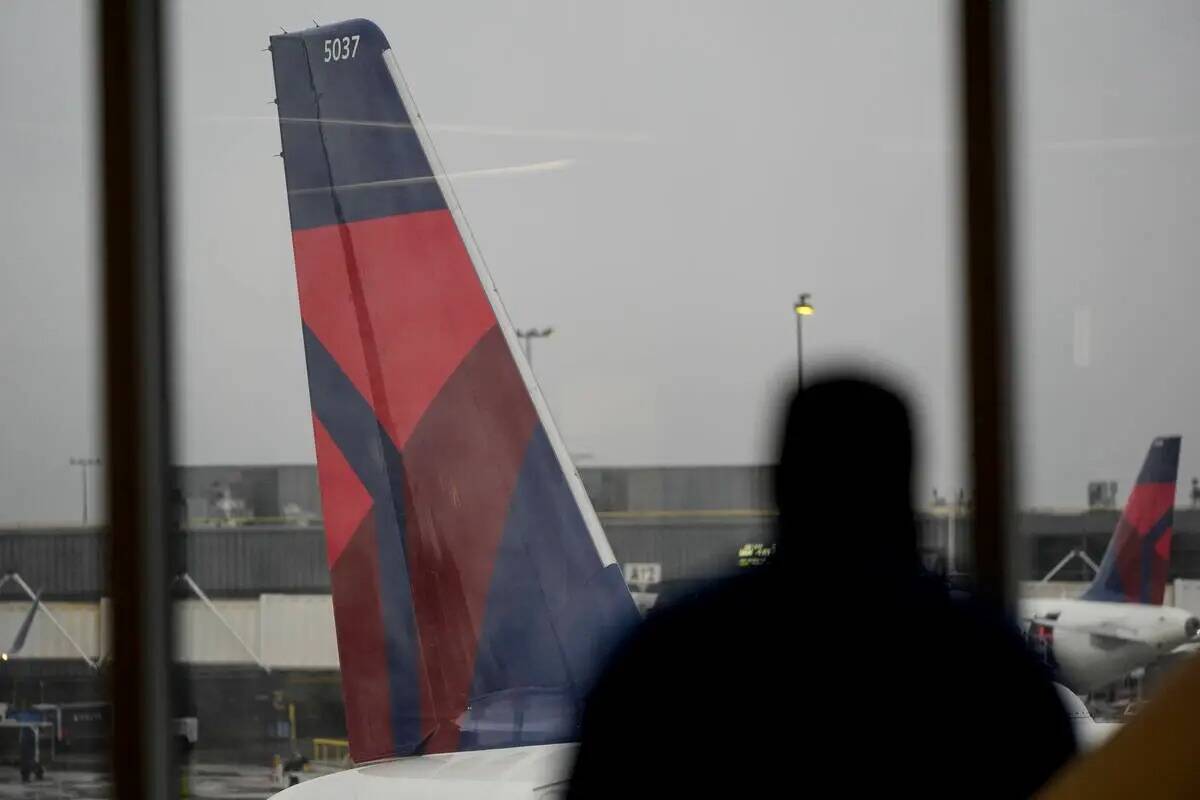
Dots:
(254, 621)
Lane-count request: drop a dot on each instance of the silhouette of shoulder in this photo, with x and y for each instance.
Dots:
(736, 688)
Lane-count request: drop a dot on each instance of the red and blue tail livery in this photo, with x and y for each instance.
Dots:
(1134, 569)
(475, 595)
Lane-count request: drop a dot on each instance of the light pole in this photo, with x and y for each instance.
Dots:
(527, 336)
(803, 309)
(83, 464)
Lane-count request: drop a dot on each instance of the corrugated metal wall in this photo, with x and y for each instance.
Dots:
(67, 562)
(247, 561)
(687, 549)
(691, 520)
(258, 559)
(252, 560)
(678, 488)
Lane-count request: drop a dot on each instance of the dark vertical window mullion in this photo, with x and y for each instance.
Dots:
(137, 408)
(988, 288)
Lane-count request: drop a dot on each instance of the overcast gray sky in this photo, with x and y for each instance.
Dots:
(722, 157)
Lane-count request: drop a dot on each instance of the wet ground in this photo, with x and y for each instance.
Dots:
(215, 781)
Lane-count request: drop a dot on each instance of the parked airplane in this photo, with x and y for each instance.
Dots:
(475, 595)
(1119, 623)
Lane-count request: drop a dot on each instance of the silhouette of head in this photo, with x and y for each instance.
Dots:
(843, 482)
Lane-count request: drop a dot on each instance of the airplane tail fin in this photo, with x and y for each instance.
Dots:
(1134, 569)
(475, 595)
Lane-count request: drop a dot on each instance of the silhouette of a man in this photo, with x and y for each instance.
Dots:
(839, 667)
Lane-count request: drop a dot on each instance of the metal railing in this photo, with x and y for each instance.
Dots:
(331, 751)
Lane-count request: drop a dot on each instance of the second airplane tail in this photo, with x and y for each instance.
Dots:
(1134, 569)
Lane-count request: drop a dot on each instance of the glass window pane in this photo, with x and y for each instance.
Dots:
(398, 341)
(54, 711)
(1107, 160)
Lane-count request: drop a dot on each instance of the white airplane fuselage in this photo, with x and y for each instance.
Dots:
(1089, 734)
(539, 771)
(1097, 642)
